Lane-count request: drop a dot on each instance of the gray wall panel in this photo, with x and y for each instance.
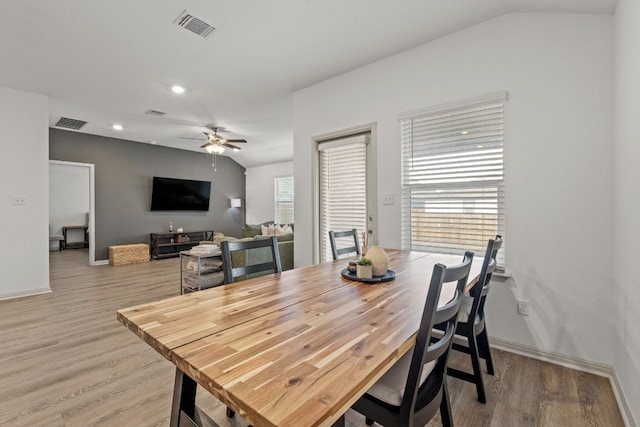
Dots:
(123, 176)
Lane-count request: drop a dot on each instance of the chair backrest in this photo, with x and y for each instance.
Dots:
(481, 289)
(429, 348)
(272, 265)
(335, 251)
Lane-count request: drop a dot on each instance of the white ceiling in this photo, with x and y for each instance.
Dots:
(108, 62)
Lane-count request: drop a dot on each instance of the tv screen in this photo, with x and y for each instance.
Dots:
(172, 194)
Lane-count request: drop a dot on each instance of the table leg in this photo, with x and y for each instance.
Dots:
(184, 398)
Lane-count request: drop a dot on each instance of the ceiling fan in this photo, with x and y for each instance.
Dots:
(216, 144)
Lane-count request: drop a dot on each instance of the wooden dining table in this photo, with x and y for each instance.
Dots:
(296, 348)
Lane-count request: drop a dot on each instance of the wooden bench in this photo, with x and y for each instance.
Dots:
(128, 254)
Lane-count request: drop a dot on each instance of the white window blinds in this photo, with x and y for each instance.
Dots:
(343, 189)
(284, 200)
(452, 177)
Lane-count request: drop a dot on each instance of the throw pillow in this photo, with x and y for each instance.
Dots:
(251, 230)
(282, 229)
(269, 230)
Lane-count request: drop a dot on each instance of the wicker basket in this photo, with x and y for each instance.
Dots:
(128, 254)
(182, 238)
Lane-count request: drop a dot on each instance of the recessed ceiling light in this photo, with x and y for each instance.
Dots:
(464, 132)
(152, 142)
(177, 89)
(117, 127)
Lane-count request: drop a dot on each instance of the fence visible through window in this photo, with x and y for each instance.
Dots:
(453, 177)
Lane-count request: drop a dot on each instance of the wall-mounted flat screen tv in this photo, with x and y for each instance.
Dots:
(172, 194)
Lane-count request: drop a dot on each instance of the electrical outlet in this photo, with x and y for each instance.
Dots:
(523, 308)
(388, 199)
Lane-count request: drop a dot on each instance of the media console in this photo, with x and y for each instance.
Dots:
(169, 244)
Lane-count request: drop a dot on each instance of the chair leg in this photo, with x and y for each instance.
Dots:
(477, 373)
(230, 413)
(368, 421)
(485, 350)
(445, 407)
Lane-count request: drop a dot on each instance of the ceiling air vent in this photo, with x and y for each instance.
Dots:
(155, 113)
(68, 123)
(193, 24)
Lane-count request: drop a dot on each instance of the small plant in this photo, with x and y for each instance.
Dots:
(364, 261)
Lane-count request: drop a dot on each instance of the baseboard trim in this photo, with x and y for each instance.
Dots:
(101, 262)
(573, 363)
(28, 293)
(627, 415)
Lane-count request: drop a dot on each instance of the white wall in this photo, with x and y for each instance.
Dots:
(261, 191)
(627, 201)
(558, 72)
(24, 127)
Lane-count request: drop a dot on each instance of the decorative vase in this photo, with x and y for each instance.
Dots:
(379, 260)
(364, 271)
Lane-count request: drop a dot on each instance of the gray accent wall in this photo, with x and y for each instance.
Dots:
(123, 175)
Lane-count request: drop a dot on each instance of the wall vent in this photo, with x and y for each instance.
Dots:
(68, 123)
(193, 24)
(155, 113)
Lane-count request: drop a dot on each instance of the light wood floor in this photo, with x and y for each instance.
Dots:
(66, 361)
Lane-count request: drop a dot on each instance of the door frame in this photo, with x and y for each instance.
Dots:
(92, 205)
(372, 187)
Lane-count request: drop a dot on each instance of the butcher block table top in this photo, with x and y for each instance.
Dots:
(298, 347)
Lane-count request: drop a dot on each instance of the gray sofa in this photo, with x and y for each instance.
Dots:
(251, 232)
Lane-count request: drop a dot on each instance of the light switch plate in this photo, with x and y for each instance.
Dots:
(388, 199)
(19, 200)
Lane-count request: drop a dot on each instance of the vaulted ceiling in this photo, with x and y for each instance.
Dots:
(114, 62)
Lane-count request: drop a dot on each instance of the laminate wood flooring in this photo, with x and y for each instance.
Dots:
(66, 361)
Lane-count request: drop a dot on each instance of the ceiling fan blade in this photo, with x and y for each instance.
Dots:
(186, 137)
(206, 144)
(233, 147)
(236, 140)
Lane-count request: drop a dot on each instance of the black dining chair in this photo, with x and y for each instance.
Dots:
(349, 235)
(231, 272)
(473, 326)
(415, 387)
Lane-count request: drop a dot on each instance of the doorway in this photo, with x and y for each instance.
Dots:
(72, 199)
(346, 186)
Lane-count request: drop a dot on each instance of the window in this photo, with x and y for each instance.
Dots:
(452, 177)
(343, 188)
(284, 200)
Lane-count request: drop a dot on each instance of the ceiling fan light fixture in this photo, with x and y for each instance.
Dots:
(214, 148)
